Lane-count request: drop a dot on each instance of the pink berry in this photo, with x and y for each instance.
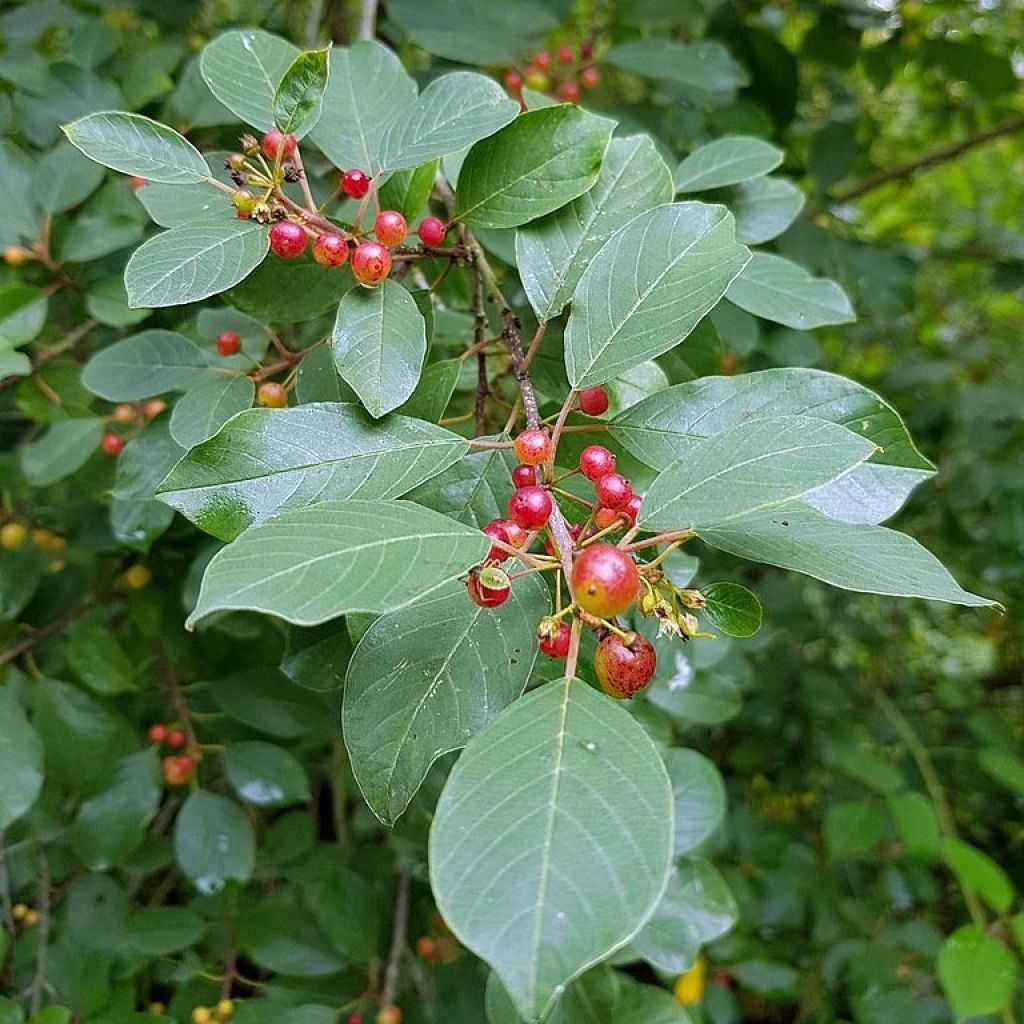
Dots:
(613, 491)
(596, 462)
(354, 183)
(589, 77)
(593, 401)
(565, 55)
(530, 507)
(330, 249)
(632, 509)
(390, 227)
(287, 239)
(112, 443)
(275, 140)
(524, 476)
(431, 231)
(371, 263)
(569, 91)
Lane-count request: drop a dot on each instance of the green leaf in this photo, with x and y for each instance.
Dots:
(107, 302)
(779, 290)
(173, 206)
(646, 1004)
(916, 824)
(12, 363)
(112, 825)
(243, 70)
(732, 608)
(317, 658)
(265, 775)
(697, 908)
(752, 467)
(726, 161)
(553, 252)
(474, 490)
(653, 429)
(699, 794)
(408, 191)
(434, 391)
(290, 291)
(453, 112)
(978, 973)
(311, 564)
(406, 695)
(23, 311)
(770, 978)
(61, 451)
(194, 261)
(266, 460)
(97, 658)
(265, 700)
(147, 458)
(541, 161)
(552, 840)
(1004, 766)
(648, 287)
(380, 342)
(870, 559)
(278, 939)
(21, 760)
(65, 178)
(207, 405)
(299, 97)
(213, 842)
(853, 828)
(134, 144)
(160, 931)
(704, 67)
(367, 90)
(143, 365)
(980, 872)
(764, 208)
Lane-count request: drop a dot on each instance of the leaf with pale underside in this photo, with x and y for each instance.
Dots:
(208, 405)
(264, 460)
(726, 161)
(143, 365)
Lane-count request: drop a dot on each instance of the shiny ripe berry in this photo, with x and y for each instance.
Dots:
(596, 462)
(431, 231)
(111, 444)
(530, 507)
(593, 401)
(371, 263)
(542, 59)
(605, 581)
(496, 531)
(589, 78)
(632, 509)
(488, 587)
(274, 140)
(524, 476)
(565, 55)
(532, 447)
(390, 228)
(569, 91)
(229, 343)
(176, 739)
(354, 183)
(516, 534)
(514, 82)
(157, 734)
(389, 1015)
(136, 182)
(553, 638)
(623, 669)
(613, 491)
(271, 395)
(287, 240)
(605, 517)
(330, 249)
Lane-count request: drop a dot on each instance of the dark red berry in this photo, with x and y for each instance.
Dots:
(275, 140)
(569, 91)
(632, 509)
(371, 263)
(530, 507)
(330, 249)
(489, 587)
(553, 638)
(587, 49)
(431, 231)
(229, 343)
(524, 476)
(112, 444)
(496, 531)
(594, 401)
(354, 183)
(565, 55)
(613, 491)
(157, 733)
(287, 240)
(532, 447)
(596, 462)
(605, 581)
(624, 668)
(176, 739)
(589, 77)
(390, 227)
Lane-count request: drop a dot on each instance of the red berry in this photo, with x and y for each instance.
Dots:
(355, 1019)
(613, 491)
(596, 462)
(287, 239)
(371, 263)
(513, 82)
(553, 638)
(524, 476)
(542, 59)
(176, 739)
(530, 507)
(157, 734)
(496, 531)
(632, 509)
(229, 343)
(431, 231)
(136, 182)
(605, 517)
(271, 395)
(390, 227)
(516, 534)
(177, 770)
(489, 587)
(274, 140)
(354, 183)
(112, 444)
(589, 77)
(532, 447)
(622, 669)
(605, 581)
(330, 249)
(565, 55)
(594, 401)
(587, 49)
(569, 91)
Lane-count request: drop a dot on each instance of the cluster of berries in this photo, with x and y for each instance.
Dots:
(177, 768)
(25, 915)
(14, 535)
(563, 76)
(223, 1011)
(112, 443)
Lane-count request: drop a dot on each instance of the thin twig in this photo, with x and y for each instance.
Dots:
(39, 635)
(304, 181)
(398, 928)
(479, 341)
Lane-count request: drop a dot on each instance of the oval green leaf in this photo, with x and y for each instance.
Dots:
(143, 365)
(211, 401)
(213, 842)
(735, 610)
(726, 161)
(21, 760)
(299, 97)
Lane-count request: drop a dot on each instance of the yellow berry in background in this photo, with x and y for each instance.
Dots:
(201, 1015)
(14, 255)
(135, 578)
(389, 1015)
(156, 1009)
(18, 911)
(123, 414)
(225, 1008)
(12, 536)
(31, 918)
(689, 987)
